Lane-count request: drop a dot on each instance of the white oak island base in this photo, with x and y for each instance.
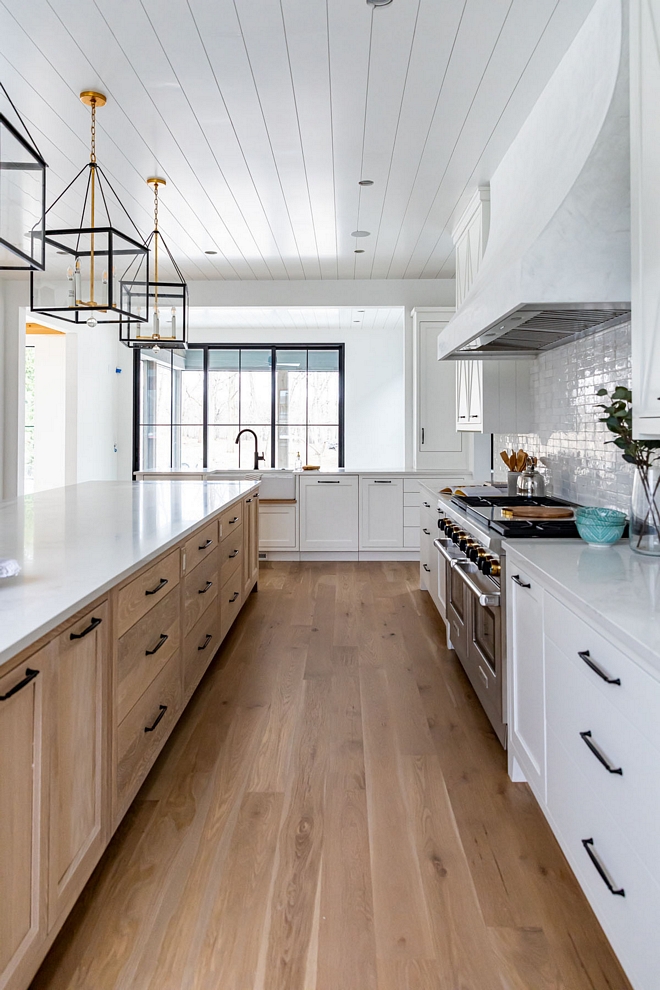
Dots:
(86, 708)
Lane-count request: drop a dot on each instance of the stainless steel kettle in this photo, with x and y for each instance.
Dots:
(530, 482)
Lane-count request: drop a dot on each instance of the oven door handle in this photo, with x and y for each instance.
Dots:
(484, 599)
(448, 557)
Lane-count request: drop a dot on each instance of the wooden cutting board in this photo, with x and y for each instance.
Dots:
(537, 512)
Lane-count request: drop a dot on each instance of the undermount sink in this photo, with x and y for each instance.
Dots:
(274, 484)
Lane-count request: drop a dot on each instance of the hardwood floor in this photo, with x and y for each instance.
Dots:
(333, 813)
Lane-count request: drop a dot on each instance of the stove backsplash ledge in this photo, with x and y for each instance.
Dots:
(567, 433)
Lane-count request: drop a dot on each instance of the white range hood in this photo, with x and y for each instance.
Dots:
(557, 261)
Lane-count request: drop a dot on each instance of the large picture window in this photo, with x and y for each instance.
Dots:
(190, 404)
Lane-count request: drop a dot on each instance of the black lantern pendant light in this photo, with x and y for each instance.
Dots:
(22, 195)
(165, 296)
(91, 268)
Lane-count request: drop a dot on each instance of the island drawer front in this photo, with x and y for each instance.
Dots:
(144, 730)
(150, 587)
(631, 797)
(200, 646)
(200, 591)
(143, 651)
(230, 520)
(630, 921)
(231, 600)
(637, 696)
(201, 545)
(231, 556)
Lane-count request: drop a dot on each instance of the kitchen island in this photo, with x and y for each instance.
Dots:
(125, 593)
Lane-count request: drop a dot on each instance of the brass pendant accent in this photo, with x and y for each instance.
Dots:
(92, 99)
(155, 180)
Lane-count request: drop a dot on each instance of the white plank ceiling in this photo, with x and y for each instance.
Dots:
(308, 318)
(263, 115)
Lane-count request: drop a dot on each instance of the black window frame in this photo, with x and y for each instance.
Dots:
(273, 348)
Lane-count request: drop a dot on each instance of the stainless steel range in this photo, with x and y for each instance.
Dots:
(472, 530)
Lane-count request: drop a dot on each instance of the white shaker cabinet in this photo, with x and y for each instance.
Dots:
(381, 513)
(278, 526)
(645, 214)
(329, 513)
(493, 396)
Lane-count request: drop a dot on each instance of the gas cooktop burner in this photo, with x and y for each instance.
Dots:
(488, 512)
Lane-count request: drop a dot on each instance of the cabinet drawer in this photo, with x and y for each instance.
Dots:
(412, 498)
(630, 921)
(632, 797)
(144, 650)
(145, 729)
(411, 485)
(201, 545)
(231, 600)
(230, 520)
(637, 696)
(411, 537)
(199, 649)
(231, 555)
(136, 598)
(410, 515)
(200, 591)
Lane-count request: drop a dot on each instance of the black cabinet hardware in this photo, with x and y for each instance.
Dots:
(462, 417)
(235, 596)
(161, 642)
(327, 482)
(29, 676)
(233, 554)
(382, 481)
(427, 505)
(474, 416)
(516, 578)
(427, 531)
(90, 628)
(234, 520)
(161, 584)
(206, 545)
(587, 739)
(586, 656)
(427, 568)
(150, 728)
(588, 845)
(202, 591)
(422, 434)
(247, 501)
(206, 642)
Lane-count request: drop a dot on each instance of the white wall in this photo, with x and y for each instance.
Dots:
(50, 412)
(375, 410)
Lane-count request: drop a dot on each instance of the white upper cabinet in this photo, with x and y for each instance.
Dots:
(645, 216)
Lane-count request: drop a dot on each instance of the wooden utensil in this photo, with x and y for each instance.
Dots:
(537, 512)
(520, 460)
(505, 457)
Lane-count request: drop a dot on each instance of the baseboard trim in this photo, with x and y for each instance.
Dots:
(338, 556)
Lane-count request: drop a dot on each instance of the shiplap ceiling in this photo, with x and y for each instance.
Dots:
(308, 318)
(263, 115)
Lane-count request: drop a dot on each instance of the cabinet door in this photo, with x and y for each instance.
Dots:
(78, 726)
(250, 542)
(436, 395)
(381, 513)
(526, 677)
(277, 527)
(22, 809)
(462, 394)
(329, 513)
(476, 395)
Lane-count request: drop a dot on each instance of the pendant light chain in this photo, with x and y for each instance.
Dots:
(92, 156)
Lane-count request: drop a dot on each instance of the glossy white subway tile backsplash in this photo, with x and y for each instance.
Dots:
(567, 433)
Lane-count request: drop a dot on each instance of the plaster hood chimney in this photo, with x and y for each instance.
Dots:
(557, 261)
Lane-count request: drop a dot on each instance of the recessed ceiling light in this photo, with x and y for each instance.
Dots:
(360, 233)
(359, 251)
(366, 182)
(210, 252)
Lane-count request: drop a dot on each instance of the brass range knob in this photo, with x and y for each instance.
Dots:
(495, 568)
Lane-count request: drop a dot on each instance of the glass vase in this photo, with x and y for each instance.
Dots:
(645, 511)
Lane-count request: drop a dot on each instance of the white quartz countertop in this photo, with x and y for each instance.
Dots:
(268, 472)
(616, 590)
(75, 543)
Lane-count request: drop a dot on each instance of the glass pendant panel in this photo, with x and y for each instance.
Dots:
(22, 201)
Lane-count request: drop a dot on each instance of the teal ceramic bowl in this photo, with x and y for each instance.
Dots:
(600, 527)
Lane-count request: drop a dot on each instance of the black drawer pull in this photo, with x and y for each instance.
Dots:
(327, 482)
(588, 845)
(29, 676)
(161, 584)
(161, 642)
(234, 520)
(90, 628)
(206, 642)
(150, 728)
(586, 738)
(585, 655)
(236, 594)
(202, 591)
(206, 545)
(427, 531)
(381, 481)
(247, 501)
(427, 505)
(516, 578)
(234, 553)
(427, 568)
